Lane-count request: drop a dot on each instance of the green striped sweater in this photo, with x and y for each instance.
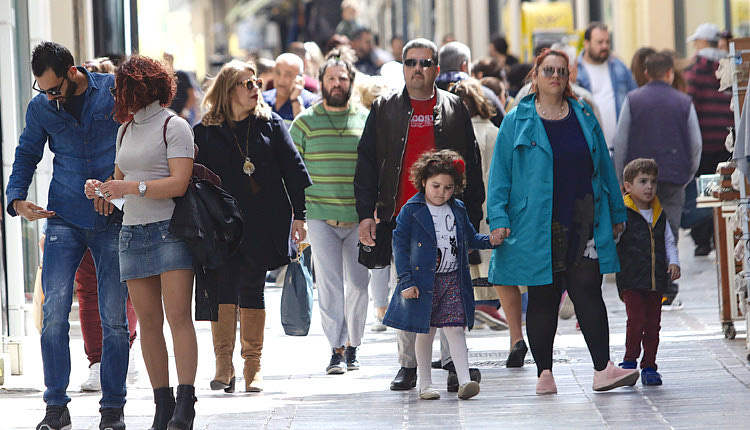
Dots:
(327, 142)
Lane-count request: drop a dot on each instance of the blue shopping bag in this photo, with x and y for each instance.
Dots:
(297, 295)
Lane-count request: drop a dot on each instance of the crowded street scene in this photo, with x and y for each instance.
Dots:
(391, 214)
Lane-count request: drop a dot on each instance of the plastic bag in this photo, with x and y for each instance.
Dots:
(297, 295)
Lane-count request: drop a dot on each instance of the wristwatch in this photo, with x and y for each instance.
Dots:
(142, 188)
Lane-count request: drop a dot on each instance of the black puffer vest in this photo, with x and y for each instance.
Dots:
(642, 251)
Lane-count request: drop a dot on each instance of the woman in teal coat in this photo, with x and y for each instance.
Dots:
(554, 201)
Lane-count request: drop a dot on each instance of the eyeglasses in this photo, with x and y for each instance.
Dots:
(549, 71)
(113, 91)
(249, 83)
(424, 62)
(56, 91)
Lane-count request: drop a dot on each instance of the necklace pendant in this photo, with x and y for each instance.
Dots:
(248, 167)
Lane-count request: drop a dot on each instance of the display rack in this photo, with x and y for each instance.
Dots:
(738, 303)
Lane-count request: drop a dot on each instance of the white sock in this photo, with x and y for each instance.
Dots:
(423, 350)
(459, 352)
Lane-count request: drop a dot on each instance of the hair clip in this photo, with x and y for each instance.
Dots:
(459, 165)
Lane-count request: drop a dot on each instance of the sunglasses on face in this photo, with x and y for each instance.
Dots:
(56, 91)
(549, 71)
(424, 62)
(249, 83)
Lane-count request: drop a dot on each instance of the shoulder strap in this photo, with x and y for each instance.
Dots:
(127, 124)
(166, 121)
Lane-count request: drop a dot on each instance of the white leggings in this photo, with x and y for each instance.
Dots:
(457, 345)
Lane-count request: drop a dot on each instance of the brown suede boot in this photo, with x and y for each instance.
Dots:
(224, 333)
(252, 324)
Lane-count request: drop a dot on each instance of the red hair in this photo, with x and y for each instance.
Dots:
(140, 81)
(538, 64)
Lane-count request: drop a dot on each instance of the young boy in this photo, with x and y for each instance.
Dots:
(649, 262)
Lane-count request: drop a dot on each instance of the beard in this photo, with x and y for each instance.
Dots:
(600, 56)
(337, 99)
(69, 92)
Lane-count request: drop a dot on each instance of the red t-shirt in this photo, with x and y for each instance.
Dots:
(421, 138)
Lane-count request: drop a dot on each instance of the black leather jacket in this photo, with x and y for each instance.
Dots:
(381, 149)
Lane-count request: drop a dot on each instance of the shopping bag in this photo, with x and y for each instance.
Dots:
(297, 295)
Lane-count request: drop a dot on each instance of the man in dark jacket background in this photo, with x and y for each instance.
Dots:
(401, 126)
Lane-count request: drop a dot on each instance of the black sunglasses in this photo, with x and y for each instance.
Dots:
(249, 83)
(56, 91)
(424, 62)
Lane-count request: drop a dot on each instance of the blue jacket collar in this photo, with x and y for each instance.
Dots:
(527, 110)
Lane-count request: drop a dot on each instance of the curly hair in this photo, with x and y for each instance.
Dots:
(140, 81)
(433, 163)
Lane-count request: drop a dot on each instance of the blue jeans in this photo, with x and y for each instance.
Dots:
(64, 247)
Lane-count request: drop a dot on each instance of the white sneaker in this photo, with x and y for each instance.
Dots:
(676, 305)
(93, 383)
(132, 369)
(378, 325)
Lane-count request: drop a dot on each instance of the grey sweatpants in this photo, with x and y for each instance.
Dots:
(341, 282)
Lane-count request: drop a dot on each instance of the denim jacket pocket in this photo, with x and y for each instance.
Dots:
(166, 236)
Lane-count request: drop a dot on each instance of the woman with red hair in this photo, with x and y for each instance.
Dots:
(554, 202)
(153, 164)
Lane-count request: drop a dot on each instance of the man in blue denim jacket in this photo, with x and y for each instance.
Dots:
(605, 76)
(73, 112)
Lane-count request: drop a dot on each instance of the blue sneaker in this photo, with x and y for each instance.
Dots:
(650, 376)
(628, 364)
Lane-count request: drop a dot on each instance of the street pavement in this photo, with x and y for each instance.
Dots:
(706, 379)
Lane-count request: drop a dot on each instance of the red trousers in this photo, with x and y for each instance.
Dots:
(644, 322)
(88, 310)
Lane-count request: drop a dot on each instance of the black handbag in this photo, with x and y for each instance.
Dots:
(380, 255)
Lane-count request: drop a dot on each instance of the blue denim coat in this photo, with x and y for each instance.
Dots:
(622, 80)
(519, 196)
(83, 150)
(415, 255)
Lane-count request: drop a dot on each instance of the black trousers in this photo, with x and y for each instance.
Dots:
(242, 283)
(583, 282)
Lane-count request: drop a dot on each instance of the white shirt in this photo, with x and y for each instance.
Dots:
(445, 233)
(604, 96)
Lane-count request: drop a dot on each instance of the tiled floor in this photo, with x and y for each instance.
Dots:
(706, 380)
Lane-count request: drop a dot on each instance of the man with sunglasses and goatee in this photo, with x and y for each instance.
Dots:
(73, 114)
(401, 127)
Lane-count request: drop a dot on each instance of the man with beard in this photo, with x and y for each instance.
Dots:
(326, 136)
(605, 76)
(401, 127)
(73, 112)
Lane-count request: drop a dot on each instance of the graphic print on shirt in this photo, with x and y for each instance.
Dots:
(421, 121)
(445, 233)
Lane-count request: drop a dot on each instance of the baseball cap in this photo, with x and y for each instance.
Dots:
(706, 31)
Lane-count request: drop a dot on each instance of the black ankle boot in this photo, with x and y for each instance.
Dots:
(184, 410)
(164, 399)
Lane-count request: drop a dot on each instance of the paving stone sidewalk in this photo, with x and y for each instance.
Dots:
(706, 379)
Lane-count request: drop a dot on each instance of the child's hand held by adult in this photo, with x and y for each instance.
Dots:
(410, 293)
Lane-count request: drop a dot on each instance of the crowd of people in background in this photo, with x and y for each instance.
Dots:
(447, 152)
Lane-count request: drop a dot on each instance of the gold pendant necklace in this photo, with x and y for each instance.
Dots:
(248, 167)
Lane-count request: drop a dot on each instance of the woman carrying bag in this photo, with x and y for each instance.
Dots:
(248, 146)
(153, 164)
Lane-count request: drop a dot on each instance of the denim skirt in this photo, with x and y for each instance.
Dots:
(150, 249)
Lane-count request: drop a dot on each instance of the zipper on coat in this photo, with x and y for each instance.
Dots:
(653, 258)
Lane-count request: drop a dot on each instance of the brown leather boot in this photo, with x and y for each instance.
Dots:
(252, 324)
(224, 333)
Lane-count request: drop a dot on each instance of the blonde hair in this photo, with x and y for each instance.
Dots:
(370, 88)
(217, 101)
